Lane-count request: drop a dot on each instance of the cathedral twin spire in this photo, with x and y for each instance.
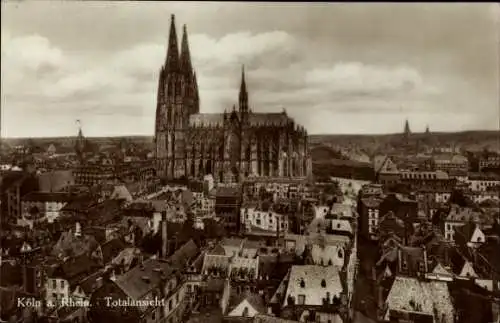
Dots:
(174, 61)
(181, 63)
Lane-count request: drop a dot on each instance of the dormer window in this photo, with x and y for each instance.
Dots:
(302, 283)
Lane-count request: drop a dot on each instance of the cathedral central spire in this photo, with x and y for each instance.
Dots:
(243, 97)
(172, 61)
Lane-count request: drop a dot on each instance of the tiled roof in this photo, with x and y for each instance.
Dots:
(371, 202)
(216, 261)
(233, 242)
(328, 254)
(255, 300)
(450, 158)
(90, 283)
(111, 249)
(429, 297)
(47, 197)
(81, 204)
(341, 225)
(252, 244)
(378, 162)
(126, 257)
(465, 214)
(314, 277)
(228, 191)
(139, 281)
(69, 244)
(217, 250)
(121, 192)
(184, 255)
(342, 210)
(261, 318)
(75, 269)
(206, 119)
(269, 119)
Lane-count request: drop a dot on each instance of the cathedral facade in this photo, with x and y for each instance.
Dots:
(230, 146)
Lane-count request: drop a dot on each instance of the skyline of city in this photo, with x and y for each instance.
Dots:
(352, 71)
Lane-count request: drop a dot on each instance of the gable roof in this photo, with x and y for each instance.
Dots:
(409, 294)
(111, 249)
(121, 192)
(256, 301)
(76, 269)
(140, 280)
(184, 255)
(441, 270)
(313, 277)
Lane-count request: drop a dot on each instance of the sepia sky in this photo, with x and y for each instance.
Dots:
(336, 68)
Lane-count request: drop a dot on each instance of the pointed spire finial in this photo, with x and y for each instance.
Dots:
(172, 59)
(243, 97)
(185, 57)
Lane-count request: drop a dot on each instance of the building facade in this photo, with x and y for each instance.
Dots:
(231, 145)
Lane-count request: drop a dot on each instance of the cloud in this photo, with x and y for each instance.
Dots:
(334, 69)
(122, 83)
(238, 48)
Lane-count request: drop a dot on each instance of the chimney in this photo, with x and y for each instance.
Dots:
(380, 300)
(278, 230)
(78, 230)
(164, 240)
(399, 261)
(426, 264)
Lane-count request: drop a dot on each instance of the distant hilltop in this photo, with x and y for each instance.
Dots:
(479, 134)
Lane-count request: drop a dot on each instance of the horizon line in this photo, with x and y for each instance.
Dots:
(310, 134)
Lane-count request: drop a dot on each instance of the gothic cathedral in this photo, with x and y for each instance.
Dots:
(231, 145)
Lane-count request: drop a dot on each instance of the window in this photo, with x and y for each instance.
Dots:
(323, 283)
(302, 283)
(245, 312)
(302, 299)
(54, 283)
(62, 283)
